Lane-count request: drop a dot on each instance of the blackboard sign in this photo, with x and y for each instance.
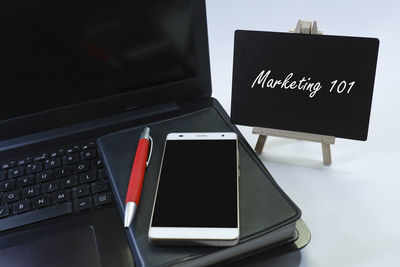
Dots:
(301, 82)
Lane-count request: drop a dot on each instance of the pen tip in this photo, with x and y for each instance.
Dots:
(145, 133)
(130, 210)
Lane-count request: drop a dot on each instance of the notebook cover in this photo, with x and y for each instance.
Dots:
(264, 207)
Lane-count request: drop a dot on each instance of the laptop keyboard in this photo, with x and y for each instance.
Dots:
(47, 185)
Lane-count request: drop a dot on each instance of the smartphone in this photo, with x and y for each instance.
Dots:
(197, 197)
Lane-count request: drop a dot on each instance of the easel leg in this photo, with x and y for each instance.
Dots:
(326, 154)
(260, 143)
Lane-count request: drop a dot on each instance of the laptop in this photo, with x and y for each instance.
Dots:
(71, 72)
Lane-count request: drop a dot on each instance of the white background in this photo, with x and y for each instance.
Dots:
(352, 207)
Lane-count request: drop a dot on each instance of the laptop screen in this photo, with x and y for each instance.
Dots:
(60, 53)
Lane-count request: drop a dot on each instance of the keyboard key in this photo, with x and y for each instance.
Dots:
(16, 171)
(26, 180)
(69, 181)
(11, 196)
(73, 149)
(88, 177)
(50, 186)
(8, 164)
(102, 198)
(57, 153)
(80, 191)
(24, 161)
(99, 186)
(83, 203)
(35, 216)
(21, 206)
(97, 163)
(62, 172)
(52, 163)
(61, 196)
(88, 154)
(89, 145)
(71, 158)
(102, 173)
(34, 167)
(41, 156)
(4, 165)
(21, 162)
(4, 211)
(41, 201)
(3, 175)
(44, 176)
(7, 185)
(31, 191)
(81, 167)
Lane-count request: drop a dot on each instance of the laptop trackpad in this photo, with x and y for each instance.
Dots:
(75, 248)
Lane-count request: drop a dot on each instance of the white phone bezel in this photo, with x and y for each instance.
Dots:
(197, 235)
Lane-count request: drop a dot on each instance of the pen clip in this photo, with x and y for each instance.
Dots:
(151, 151)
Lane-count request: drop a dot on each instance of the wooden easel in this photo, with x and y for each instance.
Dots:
(306, 27)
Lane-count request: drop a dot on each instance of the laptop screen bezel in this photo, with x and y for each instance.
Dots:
(191, 88)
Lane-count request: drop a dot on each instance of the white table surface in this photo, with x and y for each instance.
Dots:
(352, 207)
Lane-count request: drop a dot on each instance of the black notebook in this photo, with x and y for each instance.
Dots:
(267, 216)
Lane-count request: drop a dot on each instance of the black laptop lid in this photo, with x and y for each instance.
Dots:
(69, 61)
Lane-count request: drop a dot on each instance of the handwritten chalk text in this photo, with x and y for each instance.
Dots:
(304, 84)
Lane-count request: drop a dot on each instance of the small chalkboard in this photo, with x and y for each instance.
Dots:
(317, 84)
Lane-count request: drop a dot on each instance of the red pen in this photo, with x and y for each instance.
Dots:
(136, 180)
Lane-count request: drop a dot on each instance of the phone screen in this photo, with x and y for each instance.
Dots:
(198, 185)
